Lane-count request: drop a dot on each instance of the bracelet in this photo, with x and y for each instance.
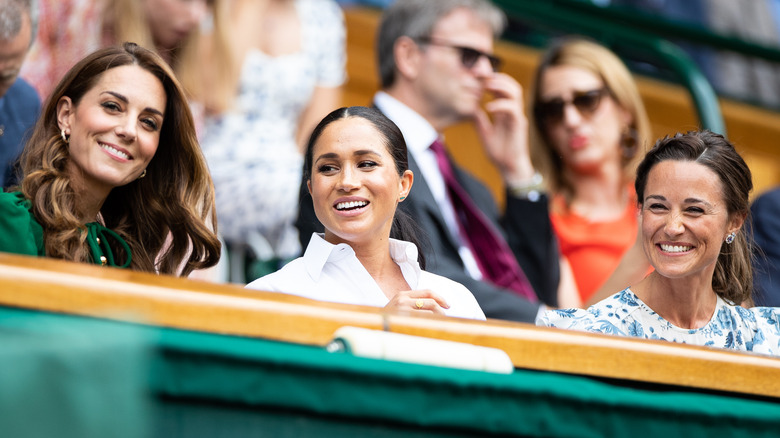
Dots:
(529, 189)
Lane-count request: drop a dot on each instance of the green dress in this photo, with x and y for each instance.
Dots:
(20, 233)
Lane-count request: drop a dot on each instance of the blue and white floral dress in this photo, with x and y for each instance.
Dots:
(251, 151)
(624, 314)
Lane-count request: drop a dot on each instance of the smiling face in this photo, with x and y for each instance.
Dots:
(114, 129)
(584, 141)
(354, 183)
(684, 219)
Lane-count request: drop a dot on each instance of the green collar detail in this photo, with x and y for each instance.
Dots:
(97, 239)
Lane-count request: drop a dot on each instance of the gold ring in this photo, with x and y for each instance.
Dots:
(419, 304)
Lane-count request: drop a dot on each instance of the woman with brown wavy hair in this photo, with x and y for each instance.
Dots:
(113, 172)
(693, 192)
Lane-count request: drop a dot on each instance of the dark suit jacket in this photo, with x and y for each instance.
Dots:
(766, 232)
(526, 226)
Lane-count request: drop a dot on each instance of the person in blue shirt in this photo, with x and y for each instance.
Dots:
(766, 234)
(19, 102)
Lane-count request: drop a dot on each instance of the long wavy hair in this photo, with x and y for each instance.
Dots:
(733, 276)
(167, 218)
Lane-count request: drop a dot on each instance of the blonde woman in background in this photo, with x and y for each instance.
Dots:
(589, 129)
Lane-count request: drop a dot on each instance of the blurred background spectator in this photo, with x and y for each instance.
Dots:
(70, 29)
(287, 68)
(19, 103)
(766, 232)
(591, 129)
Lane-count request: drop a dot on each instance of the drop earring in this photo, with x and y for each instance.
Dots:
(730, 238)
(65, 137)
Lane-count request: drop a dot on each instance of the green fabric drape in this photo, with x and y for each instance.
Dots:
(217, 385)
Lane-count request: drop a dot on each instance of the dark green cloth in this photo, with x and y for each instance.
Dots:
(215, 385)
(20, 233)
(73, 377)
(267, 374)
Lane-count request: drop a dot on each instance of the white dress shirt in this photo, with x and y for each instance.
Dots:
(328, 272)
(419, 135)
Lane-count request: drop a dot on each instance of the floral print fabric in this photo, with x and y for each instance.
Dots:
(253, 158)
(624, 314)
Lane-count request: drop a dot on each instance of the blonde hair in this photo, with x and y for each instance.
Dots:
(214, 83)
(620, 83)
(126, 21)
(164, 217)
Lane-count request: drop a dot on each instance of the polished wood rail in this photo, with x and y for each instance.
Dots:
(58, 286)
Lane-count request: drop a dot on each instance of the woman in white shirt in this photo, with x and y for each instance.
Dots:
(356, 169)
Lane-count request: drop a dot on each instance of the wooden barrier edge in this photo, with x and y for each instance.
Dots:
(57, 286)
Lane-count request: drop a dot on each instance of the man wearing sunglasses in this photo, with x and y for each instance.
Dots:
(436, 63)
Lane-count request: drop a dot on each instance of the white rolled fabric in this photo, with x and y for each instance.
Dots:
(379, 344)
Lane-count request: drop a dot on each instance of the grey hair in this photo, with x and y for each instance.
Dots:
(12, 14)
(417, 18)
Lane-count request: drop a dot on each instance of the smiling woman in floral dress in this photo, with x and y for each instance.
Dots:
(693, 193)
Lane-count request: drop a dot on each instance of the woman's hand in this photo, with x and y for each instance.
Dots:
(418, 300)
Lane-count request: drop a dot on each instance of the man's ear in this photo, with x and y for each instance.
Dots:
(65, 110)
(408, 57)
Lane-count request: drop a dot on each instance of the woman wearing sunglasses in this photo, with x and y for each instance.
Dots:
(589, 127)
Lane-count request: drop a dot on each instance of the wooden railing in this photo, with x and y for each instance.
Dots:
(755, 131)
(56, 286)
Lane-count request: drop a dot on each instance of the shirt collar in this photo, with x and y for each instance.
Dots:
(418, 133)
(320, 251)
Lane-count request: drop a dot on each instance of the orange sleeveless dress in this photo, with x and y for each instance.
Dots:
(594, 249)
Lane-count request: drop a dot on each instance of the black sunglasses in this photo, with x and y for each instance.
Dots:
(468, 55)
(586, 102)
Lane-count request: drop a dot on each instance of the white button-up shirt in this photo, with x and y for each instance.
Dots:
(328, 272)
(419, 135)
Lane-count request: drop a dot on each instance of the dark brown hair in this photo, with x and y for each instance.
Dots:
(733, 276)
(404, 227)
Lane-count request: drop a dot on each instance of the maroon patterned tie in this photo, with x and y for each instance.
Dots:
(493, 255)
